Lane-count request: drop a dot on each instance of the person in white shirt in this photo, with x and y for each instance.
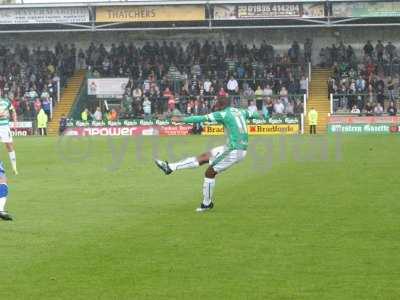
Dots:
(232, 86)
(279, 108)
(207, 86)
(303, 85)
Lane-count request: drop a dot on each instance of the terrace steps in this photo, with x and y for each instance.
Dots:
(318, 98)
(68, 98)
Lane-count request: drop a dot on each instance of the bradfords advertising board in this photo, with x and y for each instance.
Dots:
(44, 15)
(359, 125)
(107, 87)
(262, 129)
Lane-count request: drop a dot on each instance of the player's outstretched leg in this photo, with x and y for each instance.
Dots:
(3, 195)
(187, 163)
(208, 190)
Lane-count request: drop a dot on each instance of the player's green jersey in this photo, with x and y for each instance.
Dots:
(5, 107)
(235, 125)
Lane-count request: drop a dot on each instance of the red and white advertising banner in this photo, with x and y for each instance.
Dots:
(21, 128)
(363, 120)
(129, 131)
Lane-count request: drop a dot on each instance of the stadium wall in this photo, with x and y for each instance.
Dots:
(280, 38)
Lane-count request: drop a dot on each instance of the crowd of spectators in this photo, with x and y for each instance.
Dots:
(367, 84)
(168, 77)
(28, 77)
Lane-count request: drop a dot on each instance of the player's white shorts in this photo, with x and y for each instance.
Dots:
(5, 134)
(222, 158)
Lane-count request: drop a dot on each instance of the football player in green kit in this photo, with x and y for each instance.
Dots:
(219, 158)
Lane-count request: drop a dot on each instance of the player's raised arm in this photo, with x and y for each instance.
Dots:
(191, 119)
(195, 119)
(252, 115)
(213, 117)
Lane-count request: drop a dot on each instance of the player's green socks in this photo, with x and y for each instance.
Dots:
(187, 163)
(208, 190)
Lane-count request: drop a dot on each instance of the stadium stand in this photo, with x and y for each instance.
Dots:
(169, 77)
(361, 84)
(29, 77)
(173, 76)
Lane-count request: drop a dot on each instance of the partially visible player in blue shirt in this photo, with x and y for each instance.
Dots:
(3, 194)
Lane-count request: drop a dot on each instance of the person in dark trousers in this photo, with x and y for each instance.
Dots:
(63, 125)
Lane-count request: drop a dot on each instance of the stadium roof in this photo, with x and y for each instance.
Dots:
(157, 2)
(55, 3)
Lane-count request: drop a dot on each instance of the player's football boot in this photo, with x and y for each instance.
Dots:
(203, 207)
(163, 165)
(5, 216)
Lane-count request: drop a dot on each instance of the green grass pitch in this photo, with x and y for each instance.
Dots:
(300, 218)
